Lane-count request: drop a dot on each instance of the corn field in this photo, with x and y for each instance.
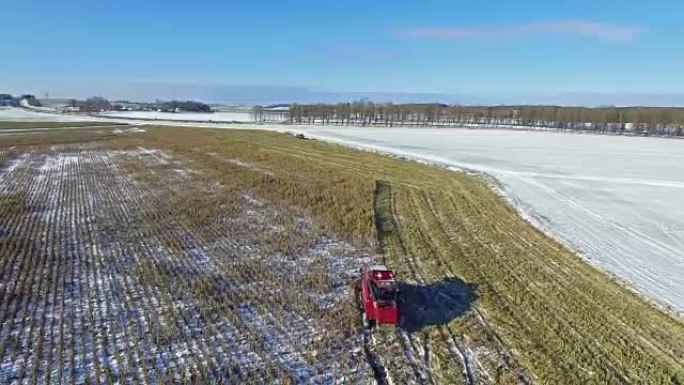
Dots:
(128, 267)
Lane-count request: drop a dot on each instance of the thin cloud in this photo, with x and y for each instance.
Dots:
(604, 32)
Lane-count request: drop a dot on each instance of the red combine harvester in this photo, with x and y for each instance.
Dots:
(377, 292)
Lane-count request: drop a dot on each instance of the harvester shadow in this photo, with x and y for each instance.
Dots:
(435, 304)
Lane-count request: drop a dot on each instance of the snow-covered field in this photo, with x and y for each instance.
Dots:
(183, 116)
(44, 114)
(617, 200)
(11, 114)
(103, 282)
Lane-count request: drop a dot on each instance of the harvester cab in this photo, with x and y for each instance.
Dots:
(378, 292)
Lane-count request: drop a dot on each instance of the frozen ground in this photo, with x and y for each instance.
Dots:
(614, 199)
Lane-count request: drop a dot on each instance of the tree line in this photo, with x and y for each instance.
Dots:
(268, 113)
(183, 105)
(9, 100)
(98, 103)
(662, 121)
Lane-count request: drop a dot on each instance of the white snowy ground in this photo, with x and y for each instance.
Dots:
(183, 116)
(45, 114)
(11, 114)
(616, 200)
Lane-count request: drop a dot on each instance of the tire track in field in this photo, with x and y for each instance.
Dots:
(458, 351)
(572, 332)
(566, 276)
(391, 244)
(423, 206)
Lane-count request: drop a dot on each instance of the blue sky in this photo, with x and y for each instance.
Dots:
(526, 51)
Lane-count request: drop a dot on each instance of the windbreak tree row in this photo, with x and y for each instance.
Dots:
(663, 121)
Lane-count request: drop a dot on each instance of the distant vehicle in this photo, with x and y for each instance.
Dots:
(377, 293)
